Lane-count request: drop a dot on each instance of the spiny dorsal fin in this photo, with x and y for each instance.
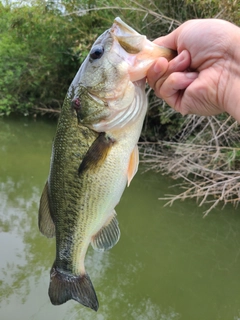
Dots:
(97, 153)
(45, 222)
(108, 235)
(133, 164)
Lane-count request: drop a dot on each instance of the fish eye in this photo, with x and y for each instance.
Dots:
(96, 52)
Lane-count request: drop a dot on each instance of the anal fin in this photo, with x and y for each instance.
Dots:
(45, 222)
(133, 164)
(108, 235)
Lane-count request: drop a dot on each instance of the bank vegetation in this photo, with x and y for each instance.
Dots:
(42, 45)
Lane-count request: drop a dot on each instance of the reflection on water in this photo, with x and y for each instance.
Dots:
(170, 263)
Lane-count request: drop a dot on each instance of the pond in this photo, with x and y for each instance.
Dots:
(170, 263)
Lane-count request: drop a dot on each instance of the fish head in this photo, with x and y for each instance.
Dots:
(105, 85)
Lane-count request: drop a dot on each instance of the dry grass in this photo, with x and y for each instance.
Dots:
(206, 164)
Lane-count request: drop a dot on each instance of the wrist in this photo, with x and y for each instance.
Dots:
(231, 77)
(232, 107)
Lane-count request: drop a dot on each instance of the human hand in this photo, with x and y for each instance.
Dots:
(204, 78)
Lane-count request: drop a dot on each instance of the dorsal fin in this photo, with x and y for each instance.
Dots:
(97, 153)
(45, 222)
(108, 235)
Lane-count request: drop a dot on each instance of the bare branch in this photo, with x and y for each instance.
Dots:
(205, 167)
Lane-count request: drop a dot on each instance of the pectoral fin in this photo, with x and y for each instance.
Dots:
(133, 164)
(108, 236)
(45, 222)
(97, 153)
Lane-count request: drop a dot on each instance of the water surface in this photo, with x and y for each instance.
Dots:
(169, 264)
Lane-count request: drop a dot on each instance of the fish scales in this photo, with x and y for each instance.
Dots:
(69, 150)
(94, 156)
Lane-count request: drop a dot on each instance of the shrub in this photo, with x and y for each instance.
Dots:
(41, 50)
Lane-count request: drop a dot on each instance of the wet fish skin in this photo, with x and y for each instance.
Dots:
(61, 197)
(94, 156)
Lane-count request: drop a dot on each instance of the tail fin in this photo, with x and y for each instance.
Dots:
(64, 287)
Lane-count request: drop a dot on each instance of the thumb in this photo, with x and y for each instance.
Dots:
(168, 41)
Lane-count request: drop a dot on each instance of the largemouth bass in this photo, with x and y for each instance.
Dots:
(94, 156)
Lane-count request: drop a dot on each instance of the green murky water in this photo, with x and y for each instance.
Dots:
(170, 263)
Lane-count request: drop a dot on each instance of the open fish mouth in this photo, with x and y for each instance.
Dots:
(141, 51)
(133, 42)
(126, 36)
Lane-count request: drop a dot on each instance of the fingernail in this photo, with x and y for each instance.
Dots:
(191, 75)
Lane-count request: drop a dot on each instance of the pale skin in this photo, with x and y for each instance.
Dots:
(204, 78)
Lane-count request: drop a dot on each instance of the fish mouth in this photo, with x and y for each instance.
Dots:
(126, 36)
(141, 53)
(133, 42)
(124, 27)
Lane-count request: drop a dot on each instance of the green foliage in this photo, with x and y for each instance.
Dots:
(225, 9)
(41, 49)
